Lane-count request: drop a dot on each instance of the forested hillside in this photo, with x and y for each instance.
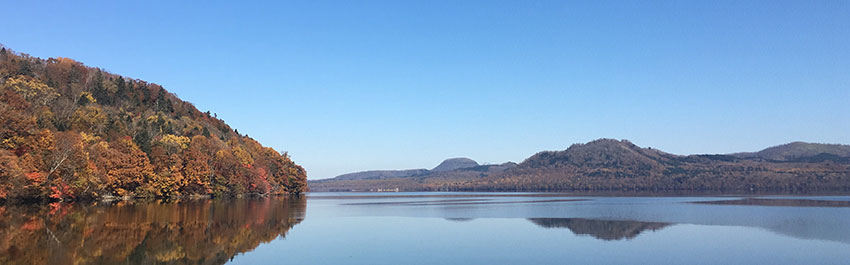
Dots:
(69, 132)
(612, 165)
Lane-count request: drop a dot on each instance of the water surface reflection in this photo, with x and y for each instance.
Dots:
(190, 232)
(427, 228)
(600, 229)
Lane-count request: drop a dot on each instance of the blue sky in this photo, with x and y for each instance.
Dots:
(356, 85)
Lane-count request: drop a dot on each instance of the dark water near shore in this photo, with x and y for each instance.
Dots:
(434, 228)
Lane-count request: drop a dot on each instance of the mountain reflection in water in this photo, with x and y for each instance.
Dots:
(600, 229)
(191, 232)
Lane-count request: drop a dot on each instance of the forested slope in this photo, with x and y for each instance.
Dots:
(611, 165)
(68, 131)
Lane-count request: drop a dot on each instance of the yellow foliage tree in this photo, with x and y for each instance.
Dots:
(31, 89)
(174, 142)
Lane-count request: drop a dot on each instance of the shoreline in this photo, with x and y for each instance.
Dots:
(584, 193)
(116, 199)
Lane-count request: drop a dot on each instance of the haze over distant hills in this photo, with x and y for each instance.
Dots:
(619, 165)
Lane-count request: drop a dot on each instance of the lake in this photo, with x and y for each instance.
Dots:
(433, 228)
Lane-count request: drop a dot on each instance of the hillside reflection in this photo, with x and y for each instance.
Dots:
(190, 232)
(600, 229)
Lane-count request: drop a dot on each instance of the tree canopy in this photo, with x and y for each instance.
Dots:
(68, 132)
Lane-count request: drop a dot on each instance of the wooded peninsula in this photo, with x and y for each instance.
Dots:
(73, 132)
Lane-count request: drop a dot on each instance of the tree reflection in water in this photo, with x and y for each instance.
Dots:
(187, 232)
(600, 229)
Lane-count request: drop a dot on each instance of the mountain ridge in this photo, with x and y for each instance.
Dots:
(449, 164)
(381, 174)
(797, 150)
(609, 164)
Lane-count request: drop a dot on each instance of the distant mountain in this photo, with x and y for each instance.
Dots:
(797, 151)
(455, 163)
(449, 168)
(620, 165)
(382, 174)
(447, 165)
(601, 153)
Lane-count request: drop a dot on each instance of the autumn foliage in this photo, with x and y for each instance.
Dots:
(71, 132)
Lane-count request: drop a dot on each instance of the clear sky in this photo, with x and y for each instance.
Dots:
(347, 86)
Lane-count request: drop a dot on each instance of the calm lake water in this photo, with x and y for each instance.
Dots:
(432, 228)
